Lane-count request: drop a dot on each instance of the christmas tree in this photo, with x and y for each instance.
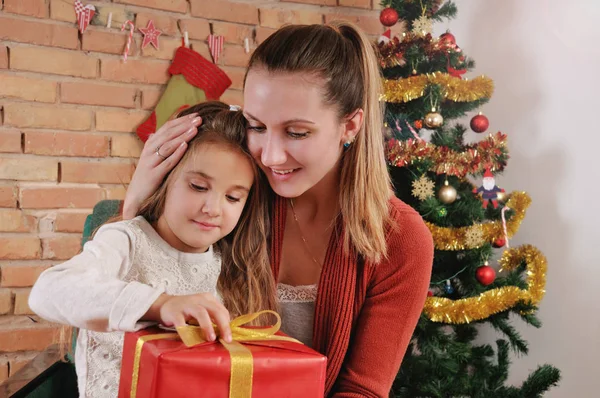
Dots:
(477, 277)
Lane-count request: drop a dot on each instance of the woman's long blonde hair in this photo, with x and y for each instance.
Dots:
(246, 282)
(344, 57)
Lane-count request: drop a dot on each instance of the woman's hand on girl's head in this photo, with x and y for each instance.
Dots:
(161, 153)
(202, 308)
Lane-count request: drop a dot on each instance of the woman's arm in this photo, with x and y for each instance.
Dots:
(171, 142)
(87, 291)
(393, 305)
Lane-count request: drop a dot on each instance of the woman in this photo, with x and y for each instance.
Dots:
(352, 262)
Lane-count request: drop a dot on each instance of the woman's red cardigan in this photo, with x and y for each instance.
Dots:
(365, 314)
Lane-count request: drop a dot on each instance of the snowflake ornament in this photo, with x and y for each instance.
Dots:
(474, 237)
(422, 26)
(423, 188)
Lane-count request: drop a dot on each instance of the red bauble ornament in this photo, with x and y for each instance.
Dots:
(429, 293)
(448, 38)
(419, 124)
(485, 275)
(388, 17)
(500, 242)
(479, 123)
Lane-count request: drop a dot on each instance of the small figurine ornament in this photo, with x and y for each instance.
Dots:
(489, 189)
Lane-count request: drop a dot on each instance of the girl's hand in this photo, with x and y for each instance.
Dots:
(203, 308)
(161, 153)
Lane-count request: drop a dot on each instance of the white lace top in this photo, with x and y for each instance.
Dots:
(109, 287)
(297, 307)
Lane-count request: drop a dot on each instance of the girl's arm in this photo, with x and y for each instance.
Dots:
(87, 291)
(394, 302)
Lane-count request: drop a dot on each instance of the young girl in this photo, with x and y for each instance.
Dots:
(202, 233)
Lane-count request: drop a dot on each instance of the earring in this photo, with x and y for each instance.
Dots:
(347, 144)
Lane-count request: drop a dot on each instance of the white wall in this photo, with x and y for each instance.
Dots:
(544, 56)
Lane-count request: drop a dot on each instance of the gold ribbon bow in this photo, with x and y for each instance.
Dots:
(242, 365)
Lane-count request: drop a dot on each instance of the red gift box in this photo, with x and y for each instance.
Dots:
(167, 368)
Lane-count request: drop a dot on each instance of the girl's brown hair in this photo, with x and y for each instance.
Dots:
(343, 56)
(246, 283)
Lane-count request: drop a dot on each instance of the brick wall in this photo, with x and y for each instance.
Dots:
(68, 109)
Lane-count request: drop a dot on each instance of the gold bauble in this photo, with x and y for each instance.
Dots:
(447, 194)
(503, 197)
(433, 120)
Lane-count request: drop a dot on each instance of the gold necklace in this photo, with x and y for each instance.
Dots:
(302, 236)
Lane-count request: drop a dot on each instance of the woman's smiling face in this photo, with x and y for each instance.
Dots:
(295, 138)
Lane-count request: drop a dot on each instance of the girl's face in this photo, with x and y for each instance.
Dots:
(206, 199)
(293, 136)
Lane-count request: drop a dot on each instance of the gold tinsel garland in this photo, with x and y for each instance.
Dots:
(447, 238)
(490, 152)
(440, 309)
(453, 88)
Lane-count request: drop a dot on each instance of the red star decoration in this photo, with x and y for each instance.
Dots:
(150, 35)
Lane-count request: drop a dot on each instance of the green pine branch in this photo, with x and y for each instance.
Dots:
(448, 10)
(540, 381)
(517, 343)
